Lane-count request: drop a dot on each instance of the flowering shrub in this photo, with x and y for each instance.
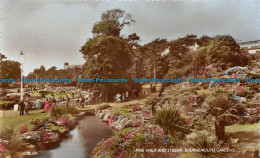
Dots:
(1, 148)
(135, 108)
(240, 88)
(64, 120)
(236, 69)
(23, 129)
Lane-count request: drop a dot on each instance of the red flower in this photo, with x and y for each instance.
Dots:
(37, 121)
(240, 88)
(235, 75)
(110, 142)
(146, 114)
(160, 131)
(135, 108)
(191, 99)
(64, 120)
(1, 148)
(138, 123)
(190, 121)
(47, 136)
(228, 87)
(122, 154)
(23, 129)
(127, 136)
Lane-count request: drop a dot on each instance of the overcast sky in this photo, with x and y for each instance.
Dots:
(51, 32)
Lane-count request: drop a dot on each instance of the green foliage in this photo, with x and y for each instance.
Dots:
(4, 104)
(225, 52)
(172, 122)
(112, 22)
(51, 94)
(107, 57)
(122, 111)
(221, 106)
(59, 112)
(203, 140)
(216, 91)
(107, 28)
(57, 128)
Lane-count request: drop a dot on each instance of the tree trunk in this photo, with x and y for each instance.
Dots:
(220, 130)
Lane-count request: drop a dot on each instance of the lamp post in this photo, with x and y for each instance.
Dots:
(22, 61)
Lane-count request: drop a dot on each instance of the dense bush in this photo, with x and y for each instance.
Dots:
(59, 112)
(4, 104)
(172, 122)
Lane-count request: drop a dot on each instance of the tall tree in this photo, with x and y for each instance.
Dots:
(107, 57)
(112, 22)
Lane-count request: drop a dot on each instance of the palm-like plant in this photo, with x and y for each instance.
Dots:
(172, 122)
(205, 141)
(224, 110)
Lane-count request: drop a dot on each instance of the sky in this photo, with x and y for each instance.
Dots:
(51, 32)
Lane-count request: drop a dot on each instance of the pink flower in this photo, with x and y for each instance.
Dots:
(1, 148)
(160, 131)
(235, 75)
(64, 120)
(228, 87)
(23, 129)
(240, 88)
(110, 121)
(146, 114)
(37, 121)
(127, 136)
(110, 142)
(122, 154)
(191, 99)
(190, 120)
(138, 123)
(47, 136)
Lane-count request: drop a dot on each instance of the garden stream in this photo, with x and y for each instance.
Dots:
(80, 142)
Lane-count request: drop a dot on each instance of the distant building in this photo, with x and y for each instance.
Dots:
(68, 66)
(251, 46)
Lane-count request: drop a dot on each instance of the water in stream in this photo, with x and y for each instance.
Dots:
(80, 142)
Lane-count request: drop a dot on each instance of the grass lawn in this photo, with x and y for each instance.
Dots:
(247, 134)
(17, 122)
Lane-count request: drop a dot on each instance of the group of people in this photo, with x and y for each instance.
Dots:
(123, 97)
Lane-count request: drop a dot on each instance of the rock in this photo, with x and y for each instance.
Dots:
(106, 117)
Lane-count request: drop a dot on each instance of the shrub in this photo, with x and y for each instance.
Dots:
(172, 122)
(203, 140)
(58, 112)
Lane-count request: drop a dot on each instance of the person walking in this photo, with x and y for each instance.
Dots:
(47, 106)
(38, 103)
(82, 102)
(68, 100)
(22, 106)
(27, 107)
